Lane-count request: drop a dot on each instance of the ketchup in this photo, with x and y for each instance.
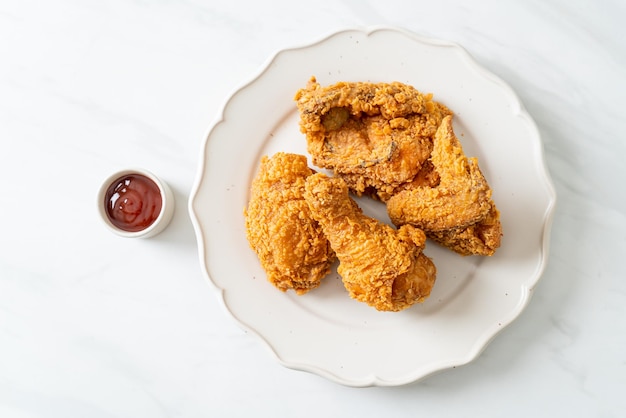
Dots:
(133, 202)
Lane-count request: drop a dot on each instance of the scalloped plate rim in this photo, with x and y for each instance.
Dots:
(489, 334)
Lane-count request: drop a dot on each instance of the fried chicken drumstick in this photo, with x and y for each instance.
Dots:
(379, 265)
(376, 136)
(290, 244)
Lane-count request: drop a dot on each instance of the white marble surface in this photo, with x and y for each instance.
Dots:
(94, 325)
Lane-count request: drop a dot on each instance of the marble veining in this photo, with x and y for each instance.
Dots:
(92, 325)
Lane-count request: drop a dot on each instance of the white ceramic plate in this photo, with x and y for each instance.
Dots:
(324, 331)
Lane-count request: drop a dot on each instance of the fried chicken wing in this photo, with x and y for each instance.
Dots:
(376, 136)
(290, 244)
(458, 211)
(379, 265)
(481, 238)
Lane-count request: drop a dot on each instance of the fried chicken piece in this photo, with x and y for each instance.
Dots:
(290, 244)
(458, 212)
(461, 198)
(379, 265)
(376, 136)
(481, 238)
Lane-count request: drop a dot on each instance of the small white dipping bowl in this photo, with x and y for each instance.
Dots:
(159, 224)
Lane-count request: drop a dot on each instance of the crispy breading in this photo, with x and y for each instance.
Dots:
(379, 265)
(290, 244)
(388, 141)
(376, 136)
(458, 211)
(482, 238)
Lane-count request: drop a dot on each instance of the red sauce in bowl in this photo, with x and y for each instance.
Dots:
(133, 202)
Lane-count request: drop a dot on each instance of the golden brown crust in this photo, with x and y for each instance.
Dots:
(390, 142)
(458, 212)
(482, 238)
(376, 136)
(395, 144)
(288, 241)
(379, 265)
(461, 198)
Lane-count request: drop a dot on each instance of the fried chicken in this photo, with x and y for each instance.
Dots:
(458, 212)
(379, 265)
(376, 136)
(481, 238)
(290, 244)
